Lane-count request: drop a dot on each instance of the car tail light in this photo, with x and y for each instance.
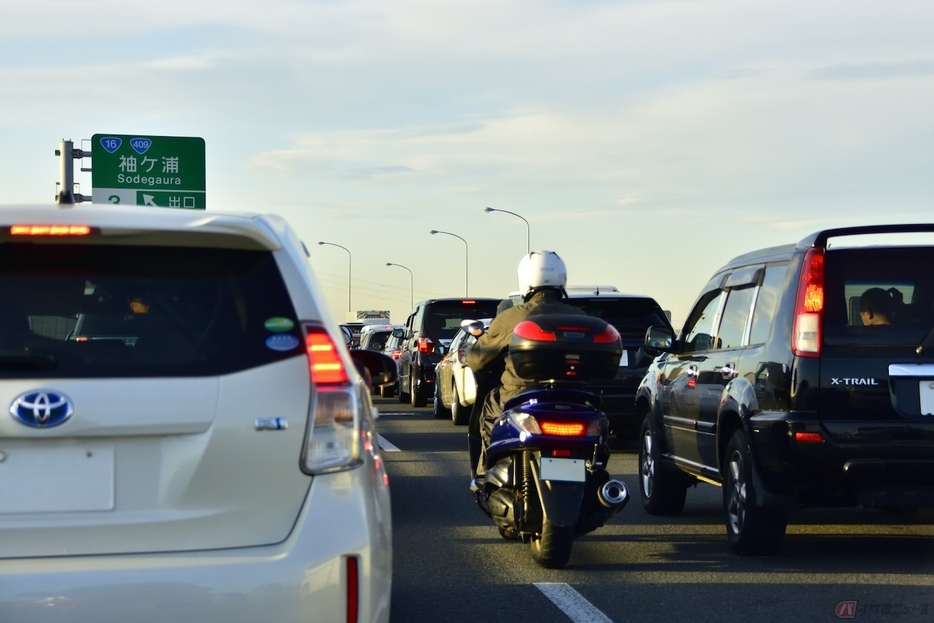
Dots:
(396, 353)
(805, 437)
(353, 589)
(332, 437)
(809, 307)
(425, 345)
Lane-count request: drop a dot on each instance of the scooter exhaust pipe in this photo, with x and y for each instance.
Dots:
(613, 495)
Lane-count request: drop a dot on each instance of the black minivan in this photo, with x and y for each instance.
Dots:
(428, 331)
(803, 377)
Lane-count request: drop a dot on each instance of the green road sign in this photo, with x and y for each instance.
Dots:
(162, 171)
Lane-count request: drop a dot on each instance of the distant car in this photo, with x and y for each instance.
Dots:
(212, 459)
(455, 385)
(429, 329)
(375, 337)
(393, 350)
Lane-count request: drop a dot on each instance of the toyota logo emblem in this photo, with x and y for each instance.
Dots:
(41, 409)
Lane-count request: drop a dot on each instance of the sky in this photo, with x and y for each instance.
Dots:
(647, 142)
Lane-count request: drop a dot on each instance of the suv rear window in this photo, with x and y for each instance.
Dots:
(443, 318)
(66, 311)
(631, 316)
(895, 282)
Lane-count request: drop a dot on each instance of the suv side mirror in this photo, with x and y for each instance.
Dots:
(659, 340)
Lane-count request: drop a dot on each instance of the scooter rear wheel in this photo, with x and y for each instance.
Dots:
(552, 549)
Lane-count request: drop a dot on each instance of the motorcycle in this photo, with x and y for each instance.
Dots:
(545, 480)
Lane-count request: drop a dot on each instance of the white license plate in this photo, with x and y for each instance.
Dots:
(573, 470)
(927, 397)
(59, 479)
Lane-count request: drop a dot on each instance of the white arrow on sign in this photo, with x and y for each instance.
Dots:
(148, 201)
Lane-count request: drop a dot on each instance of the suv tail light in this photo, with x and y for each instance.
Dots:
(809, 307)
(332, 433)
(425, 345)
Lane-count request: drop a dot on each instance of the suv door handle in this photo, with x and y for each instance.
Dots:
(728, 371)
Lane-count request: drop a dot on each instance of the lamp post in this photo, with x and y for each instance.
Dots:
(528, 229)
(466, 263)
(349, 266)
(411, 284)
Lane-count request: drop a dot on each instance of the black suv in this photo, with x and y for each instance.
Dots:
(428, 330)
(786, 388)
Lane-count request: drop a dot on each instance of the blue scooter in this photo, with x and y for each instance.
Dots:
(545, 479)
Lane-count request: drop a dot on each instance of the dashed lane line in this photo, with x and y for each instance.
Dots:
(386, 445)
(572, 603)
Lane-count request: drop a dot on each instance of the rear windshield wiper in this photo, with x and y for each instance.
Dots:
(27, 361)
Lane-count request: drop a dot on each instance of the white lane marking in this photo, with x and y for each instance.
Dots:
(572, 603)
(385, 444)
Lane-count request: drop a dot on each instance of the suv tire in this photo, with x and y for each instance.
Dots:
(661, 487)
(752, 531)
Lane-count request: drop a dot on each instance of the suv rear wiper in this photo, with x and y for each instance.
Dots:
(11, 360)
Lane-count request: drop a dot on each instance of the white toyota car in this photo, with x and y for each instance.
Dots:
(186, 437)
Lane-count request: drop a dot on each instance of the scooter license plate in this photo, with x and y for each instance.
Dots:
(572, 470)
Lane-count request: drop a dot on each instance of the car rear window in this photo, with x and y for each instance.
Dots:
(443, 318)
(69, 311)
(630, 316)
(895, 285)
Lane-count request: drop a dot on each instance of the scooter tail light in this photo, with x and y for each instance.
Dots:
(564, 429)
(529, 330)
(609, 336)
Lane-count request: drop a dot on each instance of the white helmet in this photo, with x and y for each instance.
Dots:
(541, 269)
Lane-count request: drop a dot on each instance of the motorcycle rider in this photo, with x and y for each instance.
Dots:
(542, 278)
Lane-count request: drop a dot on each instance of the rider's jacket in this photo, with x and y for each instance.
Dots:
(489, 346)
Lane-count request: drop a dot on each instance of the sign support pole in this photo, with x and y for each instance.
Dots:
(66, 180)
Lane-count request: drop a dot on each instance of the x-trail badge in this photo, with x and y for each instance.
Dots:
(42, 409)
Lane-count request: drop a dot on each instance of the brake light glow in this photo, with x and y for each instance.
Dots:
(528, 330)
(804, 437)
(809, 306)
(49, 230)
(327, 367)
(563, 429)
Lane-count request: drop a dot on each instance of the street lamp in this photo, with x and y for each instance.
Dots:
(411, 284)
(466, 281)
(349, 265)
(528, 229)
